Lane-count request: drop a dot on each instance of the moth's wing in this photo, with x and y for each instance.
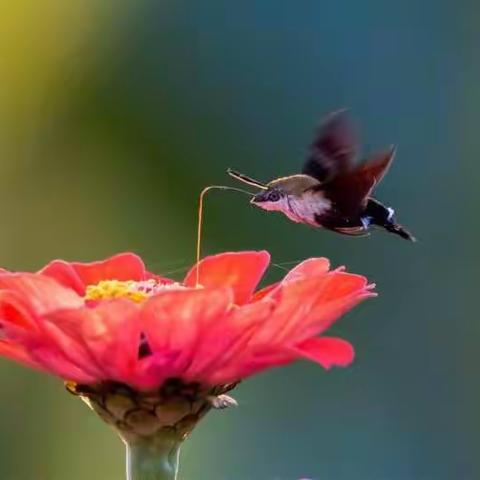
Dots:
(334, 147)
(349, 191)
(381, 162)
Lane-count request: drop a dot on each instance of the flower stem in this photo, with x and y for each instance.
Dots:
(153, 459)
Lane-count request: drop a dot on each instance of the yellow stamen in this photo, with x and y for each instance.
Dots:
(110, 289)
(136, 291)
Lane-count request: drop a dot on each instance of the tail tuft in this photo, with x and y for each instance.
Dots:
(399, 230)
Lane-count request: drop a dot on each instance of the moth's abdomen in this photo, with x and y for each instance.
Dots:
(378, 213)
(307, 208)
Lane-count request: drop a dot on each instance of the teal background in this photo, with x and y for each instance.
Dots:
(115, 114)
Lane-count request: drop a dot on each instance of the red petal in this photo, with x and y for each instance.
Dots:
(76, 275)
(240, 271)
(295, 301)
(14, 314)
(65, 274)
(177, 322)
(48, 348)
(103, 339)
(327, 351)
(264, 292)
(54, 362)
(341, 284)
(338, 294)
(223, 345)
(16, 352)
(308, 268)
(40, 293)
(153, 370)
(68, 341)
(313, 267)
(124, 266)
(251, 363)
(311, 305)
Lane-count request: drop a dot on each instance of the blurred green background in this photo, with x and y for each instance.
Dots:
(114, 114)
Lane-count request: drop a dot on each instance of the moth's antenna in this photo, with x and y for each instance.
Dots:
(245, 179)
(200, 220)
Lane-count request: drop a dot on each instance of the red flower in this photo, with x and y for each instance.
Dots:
(113, 320)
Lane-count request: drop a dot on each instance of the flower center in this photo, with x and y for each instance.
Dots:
(136, 291)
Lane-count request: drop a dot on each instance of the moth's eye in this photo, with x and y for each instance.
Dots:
(273, 196)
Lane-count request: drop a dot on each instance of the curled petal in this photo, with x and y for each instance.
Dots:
(241, 271)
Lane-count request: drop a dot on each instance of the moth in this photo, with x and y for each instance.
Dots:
(333, 191)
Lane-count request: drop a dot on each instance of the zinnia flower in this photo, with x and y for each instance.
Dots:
(151, 356)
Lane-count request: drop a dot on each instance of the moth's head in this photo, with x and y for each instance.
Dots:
(270, 199)
(272, 195)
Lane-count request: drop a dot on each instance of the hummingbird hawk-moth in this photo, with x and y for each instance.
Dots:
(333, 191)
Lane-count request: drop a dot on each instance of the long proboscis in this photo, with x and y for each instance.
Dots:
(246, 179)
(200, 220)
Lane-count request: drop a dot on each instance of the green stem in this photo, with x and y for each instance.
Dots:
(153, 459)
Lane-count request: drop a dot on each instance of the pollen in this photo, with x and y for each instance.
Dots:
(136, 291)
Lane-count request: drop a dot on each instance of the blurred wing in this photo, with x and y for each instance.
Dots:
(334, 148)
(349, 192)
